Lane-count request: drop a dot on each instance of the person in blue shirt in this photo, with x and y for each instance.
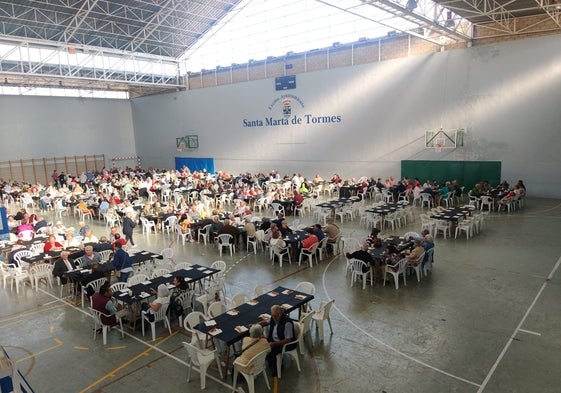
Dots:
(122, 262)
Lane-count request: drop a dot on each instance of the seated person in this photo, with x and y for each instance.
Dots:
(229, 229)
(185, 223)
(415, 254)
(90, 237)
(364, 256)
(427, 243)
(162, 299)
(41, 223)
(62, 266)
(95, 274)
(169, 213)
(71, 241)
(276, 240)
(216, 224)
(281, 332)
(373, 239)
(19, 246)
(298, 199)
(90, 257)
(318, 232)
(392, 257)
(84, 208)
(179, 287)
(118, 239)
(332, 231)
(310, 239)
(52, 245)
(251, 346)
(265, 224)
(102, 245)
(102, 301)
(284, 229)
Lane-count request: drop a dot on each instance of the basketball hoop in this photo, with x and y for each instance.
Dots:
(439, 144)
(181, 146)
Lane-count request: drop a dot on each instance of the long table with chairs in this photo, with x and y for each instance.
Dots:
(133, 295)
(233, 325)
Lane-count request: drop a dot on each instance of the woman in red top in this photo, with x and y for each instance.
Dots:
(52, 245)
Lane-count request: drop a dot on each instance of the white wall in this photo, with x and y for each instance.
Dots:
(36, 127)
(507, 96)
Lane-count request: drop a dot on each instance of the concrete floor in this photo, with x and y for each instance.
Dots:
(487, 320)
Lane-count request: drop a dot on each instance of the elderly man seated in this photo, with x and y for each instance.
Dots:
(90, 257)
(281, 332)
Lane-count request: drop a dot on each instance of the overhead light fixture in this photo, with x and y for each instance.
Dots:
(411, 5)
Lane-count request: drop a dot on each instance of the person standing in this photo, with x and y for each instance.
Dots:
(128, 227)
(122, 262)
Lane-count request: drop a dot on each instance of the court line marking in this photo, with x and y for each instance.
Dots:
(58, 344)
(393, 349)
(144, 353)
(529, 332)
(518, 328)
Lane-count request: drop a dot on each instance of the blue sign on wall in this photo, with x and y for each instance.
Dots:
(4, 229)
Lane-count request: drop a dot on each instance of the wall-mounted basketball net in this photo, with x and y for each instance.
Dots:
(187, 142)
(444, 139)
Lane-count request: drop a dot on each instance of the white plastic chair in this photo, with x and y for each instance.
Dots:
(254, 242)
(137, 279)
(201, 358)
(226, 240)
(181, 235)
(442, 226)
(280, 253)
(487, 202)
(215, 309)
(204, 234)
(396, 270)
(322, 314)
(307, 288)
(426, 199)
(430, 259)
(160, 315)
(105, 328)
(147, 225)
(293, 353)
(168, 224)
(322, 248)
(105, 255)
(181, 266)
(160, 272)
(357, 271)
(42, 271)
(277, 208)
(416, 265)
(118, 286)
(239, 299)
(309, 253)
(466, 226)
(258, 362)
(305, 323)
(191, 320)
(17, 275)
(258, 290)
(95, 285)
